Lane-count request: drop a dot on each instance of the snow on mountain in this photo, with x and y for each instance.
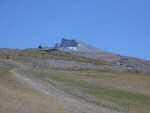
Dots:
(75, 46)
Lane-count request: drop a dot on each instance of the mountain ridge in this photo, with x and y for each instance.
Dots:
(75, 46)
(90, 57)
(80, 48)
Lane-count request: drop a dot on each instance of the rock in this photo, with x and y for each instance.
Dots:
(68, 43)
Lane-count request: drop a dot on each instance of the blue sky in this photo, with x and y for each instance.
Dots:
(120, 26)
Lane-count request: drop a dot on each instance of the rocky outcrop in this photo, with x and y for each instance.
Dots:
(76, 47)
(82, 49)
(69, 43)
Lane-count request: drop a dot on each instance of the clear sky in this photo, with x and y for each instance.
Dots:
(120, 26)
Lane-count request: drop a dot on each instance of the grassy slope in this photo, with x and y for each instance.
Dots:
(80, 85)
(4, 72)
(31, 54)
(121, 92)
(16, 96)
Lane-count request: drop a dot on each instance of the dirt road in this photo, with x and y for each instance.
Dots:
(17, 97)
(21, 95)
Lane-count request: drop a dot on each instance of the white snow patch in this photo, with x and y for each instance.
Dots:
(72, 48)
(79, 45)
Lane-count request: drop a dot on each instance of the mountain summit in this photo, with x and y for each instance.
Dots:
(82, 49)
(67, 43)
(75, 46)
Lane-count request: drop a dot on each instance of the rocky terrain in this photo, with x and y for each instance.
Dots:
(82, 49)
(71, 78)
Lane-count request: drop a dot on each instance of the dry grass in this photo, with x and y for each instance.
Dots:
(125, 92)
(16, 96)
(121, 92)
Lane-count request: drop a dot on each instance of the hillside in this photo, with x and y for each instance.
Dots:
(82, 49)
(50, 81)
(56, 59)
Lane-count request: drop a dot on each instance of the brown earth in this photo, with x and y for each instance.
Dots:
(16, 96)
(21, 95)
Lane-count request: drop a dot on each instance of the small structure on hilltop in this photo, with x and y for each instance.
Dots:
(43, 47)
(40, 46)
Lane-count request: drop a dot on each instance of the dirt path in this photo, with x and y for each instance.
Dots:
(16, 96)
(19, 94)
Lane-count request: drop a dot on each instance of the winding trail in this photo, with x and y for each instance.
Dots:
(17, 96)
(20, 94)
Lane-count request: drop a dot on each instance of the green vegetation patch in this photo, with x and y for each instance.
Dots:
(4, 72)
